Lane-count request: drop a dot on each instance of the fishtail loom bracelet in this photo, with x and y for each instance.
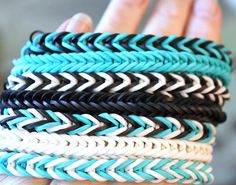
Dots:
(121, 170)
(35, 120)
(73, 97)
(148, 61)
(175, 108)
(83, 42)
(102, 147)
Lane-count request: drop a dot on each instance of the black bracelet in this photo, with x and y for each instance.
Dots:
(65, 42)
(95, 103)
(72, 97)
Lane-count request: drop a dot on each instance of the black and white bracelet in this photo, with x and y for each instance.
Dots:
(183, 85)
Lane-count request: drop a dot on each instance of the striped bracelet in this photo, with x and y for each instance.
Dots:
(83, 42)
(102, 147)
(35, 120)
(41, 100)
(121, 170)
(186, 85)
(149, 61)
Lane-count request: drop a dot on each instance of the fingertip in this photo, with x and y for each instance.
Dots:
(219, 24)
(168, 17)
(122, 16)
(205, 21)
(63, 26)
(80, 23)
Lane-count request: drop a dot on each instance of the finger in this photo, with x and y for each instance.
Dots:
(205, 21)
(11, 180)
(168, 17)
(57, 182)
(80, 23)
(63, 26)
(122, 16)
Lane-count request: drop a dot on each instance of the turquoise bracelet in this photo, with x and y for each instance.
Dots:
(121, 170)
(149, 61)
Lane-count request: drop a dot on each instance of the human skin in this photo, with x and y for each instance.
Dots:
(190, 18)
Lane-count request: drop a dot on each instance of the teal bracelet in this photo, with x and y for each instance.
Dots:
(149, 61)
(121, 170)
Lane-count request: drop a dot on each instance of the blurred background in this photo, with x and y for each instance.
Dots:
(19, 18)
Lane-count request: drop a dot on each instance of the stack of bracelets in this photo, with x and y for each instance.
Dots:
(114, 107)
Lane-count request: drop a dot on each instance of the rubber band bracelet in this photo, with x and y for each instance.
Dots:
(18, 100)
(186, 85)
(83, 42)
(73, 98)
(34, 120)
(150, 61)
(102, 147)
(126, 135)
(200, 113)
(121, 170)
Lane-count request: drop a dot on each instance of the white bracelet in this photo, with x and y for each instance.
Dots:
(100, 147)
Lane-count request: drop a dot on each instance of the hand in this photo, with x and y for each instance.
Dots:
(190, 18)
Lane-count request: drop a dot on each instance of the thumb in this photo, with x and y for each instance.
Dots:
(12, 180)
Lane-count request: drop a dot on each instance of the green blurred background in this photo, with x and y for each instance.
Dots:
(19, 18)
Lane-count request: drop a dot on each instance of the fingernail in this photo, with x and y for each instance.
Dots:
(79, 23)
(132, 2)
(63, 26)
(206, 6)
(56, 182)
